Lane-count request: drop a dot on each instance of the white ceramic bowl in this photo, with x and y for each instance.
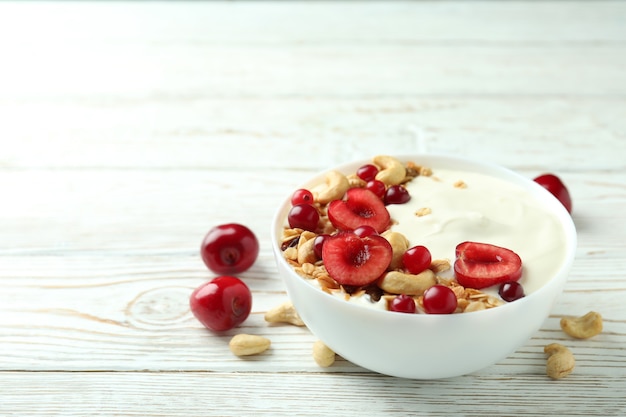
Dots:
(423, 346)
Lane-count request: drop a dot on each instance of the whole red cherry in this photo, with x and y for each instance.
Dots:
(554, 184)
(229, 248)
(222, 303)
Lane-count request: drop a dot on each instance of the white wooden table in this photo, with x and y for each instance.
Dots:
(127, 130)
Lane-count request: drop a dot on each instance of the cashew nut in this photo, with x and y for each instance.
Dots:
(396, 282)
(355, 181)
(399, 244)
(334, 187)
(306, 254)
(582, 327)
(323, 355)
(440, 265)
(284, 313)
(560, 362)
(248, 344)
(392, 170)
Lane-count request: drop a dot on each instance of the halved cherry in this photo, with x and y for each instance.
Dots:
(360, 208)
(354, 260)
(480, 265)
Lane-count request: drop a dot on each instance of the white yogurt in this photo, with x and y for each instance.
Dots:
(486, 210)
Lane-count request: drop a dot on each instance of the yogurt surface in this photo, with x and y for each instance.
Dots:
(468, 206)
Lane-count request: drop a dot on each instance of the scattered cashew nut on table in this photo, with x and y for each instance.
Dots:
(248, 344)
(560, 362)
(582, 327)
(284, 313)
(323, 355)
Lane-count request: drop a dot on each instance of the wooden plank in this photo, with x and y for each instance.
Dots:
(147, 326)
(560, 134)
(152, 212)
(250, 50)
(272, 22)
(128, 129)
(110, 257)
(200, 71)
(260, 394)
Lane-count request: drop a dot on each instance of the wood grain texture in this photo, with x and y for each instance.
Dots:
(207, 134)
(158, 394)
(128, 129)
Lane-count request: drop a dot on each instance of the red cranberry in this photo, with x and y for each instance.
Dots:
(396, 194)
(439, 299)
(302, 196)
(511, 291)
(417, 259)
(303, 216)
(403, 304)
(367, 172)
(318, 244)
(377, 187)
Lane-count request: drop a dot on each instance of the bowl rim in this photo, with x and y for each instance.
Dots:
(504, 173)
